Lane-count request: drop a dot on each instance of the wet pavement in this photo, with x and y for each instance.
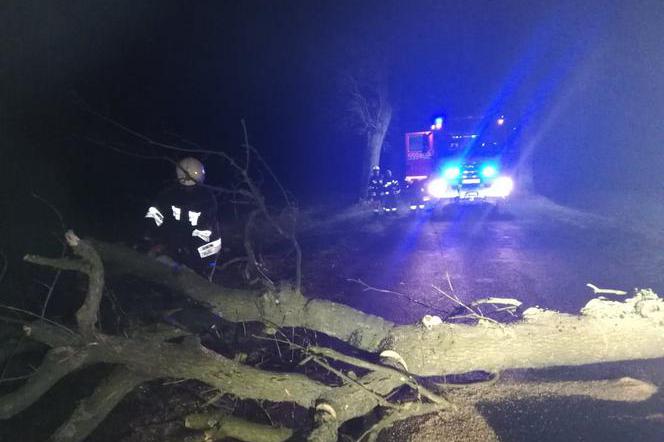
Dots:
(534, 250)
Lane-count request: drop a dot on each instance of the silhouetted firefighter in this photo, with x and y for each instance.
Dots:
(376, 189)
(391, 190)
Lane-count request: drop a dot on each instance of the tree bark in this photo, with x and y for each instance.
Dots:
(57, 364)
(542, 339)
(182, 361)
(220, 426)
(93, 410)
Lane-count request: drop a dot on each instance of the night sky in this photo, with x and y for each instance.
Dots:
(584, 79)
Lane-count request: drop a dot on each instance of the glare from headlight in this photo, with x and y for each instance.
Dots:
(452, 172)
(489, 171)
(503, 186)
(437, 188)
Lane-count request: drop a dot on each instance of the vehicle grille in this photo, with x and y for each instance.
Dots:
(470, 172)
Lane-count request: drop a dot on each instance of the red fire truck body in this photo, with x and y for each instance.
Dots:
(420, 155)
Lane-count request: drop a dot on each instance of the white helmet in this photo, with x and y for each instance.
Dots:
(190, 171)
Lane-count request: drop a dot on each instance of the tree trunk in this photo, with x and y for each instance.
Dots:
(542, 339)
(374, 146)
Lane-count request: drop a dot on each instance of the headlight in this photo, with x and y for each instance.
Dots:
(437, 188)
(489, 171)
(503, 186)
(451, 173)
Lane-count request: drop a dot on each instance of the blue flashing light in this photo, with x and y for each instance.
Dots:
(438, 122)
(500, 121)
(489, 171)
(451, 173)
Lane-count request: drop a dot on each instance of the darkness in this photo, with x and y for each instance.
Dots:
(583, 79)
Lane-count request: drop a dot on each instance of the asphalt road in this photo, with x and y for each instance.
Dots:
(536, 251)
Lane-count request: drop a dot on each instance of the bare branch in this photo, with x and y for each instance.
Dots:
(220, 426)
(57, 263)
(472, 313)
(91, 265)
(367, 287)
(57, 363)
(329, 353)
(598, 291)
(87, 314)
(252, 261)
(53, 209)
(63, 253)
(31, 314)
(124, 150)
(94, 409)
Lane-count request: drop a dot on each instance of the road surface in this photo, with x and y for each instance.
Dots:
(535, 251)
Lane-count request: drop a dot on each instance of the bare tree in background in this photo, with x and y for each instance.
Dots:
(370, 112)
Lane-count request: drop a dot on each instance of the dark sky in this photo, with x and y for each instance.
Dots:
(584, 79)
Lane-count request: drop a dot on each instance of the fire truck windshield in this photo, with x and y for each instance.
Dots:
(473, 137)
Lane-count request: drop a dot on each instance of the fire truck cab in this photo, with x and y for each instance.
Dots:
(463, 160)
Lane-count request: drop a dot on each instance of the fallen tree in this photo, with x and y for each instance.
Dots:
(542, 339)
(407, 353)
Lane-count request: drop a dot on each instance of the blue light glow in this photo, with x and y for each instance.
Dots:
(452, 172)
(438, 122)
(489, 171)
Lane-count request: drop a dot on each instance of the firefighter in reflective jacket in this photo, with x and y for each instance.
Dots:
(184, 224)
(376, 189)
(391, 190)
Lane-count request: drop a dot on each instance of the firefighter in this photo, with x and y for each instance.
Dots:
(183, 227)
(376, 190)
(391, 190)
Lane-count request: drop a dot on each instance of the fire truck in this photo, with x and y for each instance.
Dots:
(460, 161)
